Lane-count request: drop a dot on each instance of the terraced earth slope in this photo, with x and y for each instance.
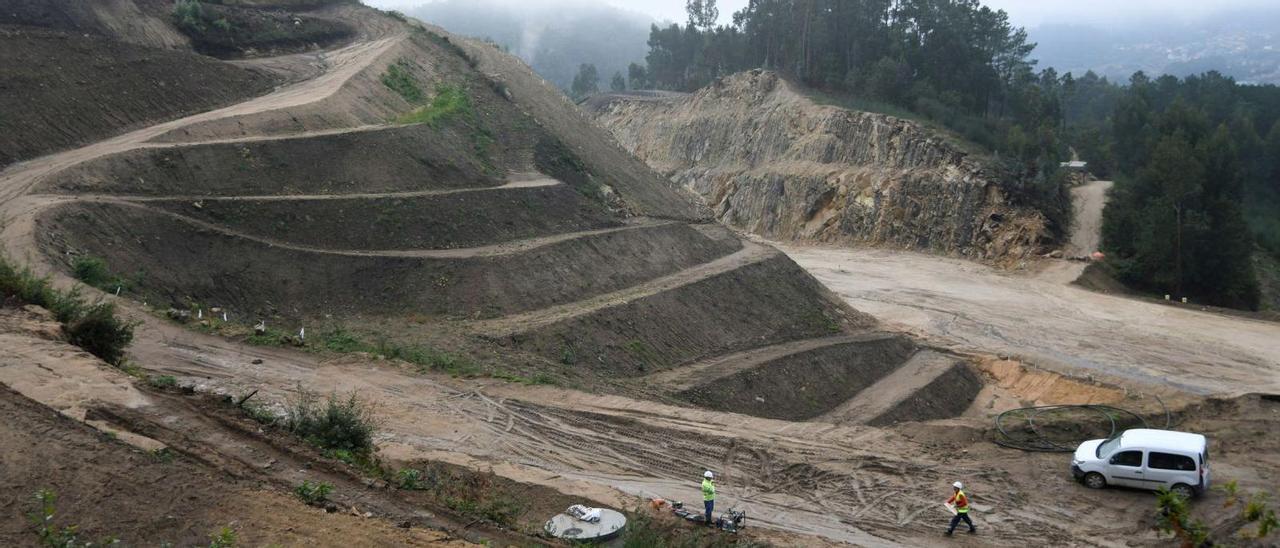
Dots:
(771, 161)
(431, 192)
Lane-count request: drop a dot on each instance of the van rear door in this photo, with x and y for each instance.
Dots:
(1166, 468)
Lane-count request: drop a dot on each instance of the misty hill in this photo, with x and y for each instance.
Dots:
(1243, 44)
(554, 38)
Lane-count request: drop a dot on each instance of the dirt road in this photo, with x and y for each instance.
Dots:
(1038, 317)
(868, 486)
(1088, 201)
(343, 64)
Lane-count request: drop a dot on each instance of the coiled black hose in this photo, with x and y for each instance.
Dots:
(1039, 441)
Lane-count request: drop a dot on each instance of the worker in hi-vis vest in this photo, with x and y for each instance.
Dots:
(959, 502)
(708, 493)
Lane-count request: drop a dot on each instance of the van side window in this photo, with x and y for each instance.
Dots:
(1127, 458)
(1166, 461)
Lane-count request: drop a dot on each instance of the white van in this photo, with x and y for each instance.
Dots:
(1145, 459)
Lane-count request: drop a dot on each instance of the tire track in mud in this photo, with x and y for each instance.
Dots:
(878, 495)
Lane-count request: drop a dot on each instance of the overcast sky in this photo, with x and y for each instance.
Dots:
(1028, 13)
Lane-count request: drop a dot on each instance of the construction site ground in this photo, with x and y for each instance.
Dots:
(818, 476)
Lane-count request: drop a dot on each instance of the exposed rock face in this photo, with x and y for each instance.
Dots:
(772, 162)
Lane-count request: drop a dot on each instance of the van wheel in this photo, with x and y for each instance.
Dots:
(1183, 490)
(1094, 480)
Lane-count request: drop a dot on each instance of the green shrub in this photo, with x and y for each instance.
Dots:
(1173, 517)
(92, 271)
(163, 381)
(189, 15)
(410, 479)
(314, 494)
(163, 454)
(101, 333)
(224, 538)
(335, 423)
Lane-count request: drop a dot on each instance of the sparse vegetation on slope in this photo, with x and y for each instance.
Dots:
(91, 326)
(450, 102)
(425, 357)
(399, 80)
(93, 271)
(50, 534)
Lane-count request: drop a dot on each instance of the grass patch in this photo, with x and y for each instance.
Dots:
(399, 80)
(424, 357)
(536, 380)
(450, 102)
(341, 340)
(268, 337)
(642, 352)
(260, 413)
(91, 326)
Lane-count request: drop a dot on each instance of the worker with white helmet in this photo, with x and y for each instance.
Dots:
(959, 503)
(708, 493)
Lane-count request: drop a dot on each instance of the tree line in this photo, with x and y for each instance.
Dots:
(1197, 168)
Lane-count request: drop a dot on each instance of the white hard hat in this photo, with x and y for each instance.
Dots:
(708, 474)
(958, 485)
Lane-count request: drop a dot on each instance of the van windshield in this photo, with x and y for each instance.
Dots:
(1105, 448)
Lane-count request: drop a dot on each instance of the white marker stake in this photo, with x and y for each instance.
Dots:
(117, 291)
(224, 316)
(199, 313)
(302, 334)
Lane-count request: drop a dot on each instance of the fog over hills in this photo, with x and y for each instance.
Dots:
(554, 37)
(1239, 39)
(1243, 43)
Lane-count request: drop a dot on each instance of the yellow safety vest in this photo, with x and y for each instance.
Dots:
(708, 490)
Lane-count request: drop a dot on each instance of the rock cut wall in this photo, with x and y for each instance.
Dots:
(770, 161)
